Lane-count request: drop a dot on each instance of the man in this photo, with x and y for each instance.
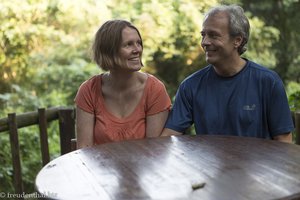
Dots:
(232, 95)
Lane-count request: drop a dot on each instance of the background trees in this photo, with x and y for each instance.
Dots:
(44, 54)
(284, 16)
(44, 50)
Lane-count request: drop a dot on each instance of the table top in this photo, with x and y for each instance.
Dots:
(176, 167)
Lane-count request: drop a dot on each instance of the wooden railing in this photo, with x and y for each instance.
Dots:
(64, 116)
(66, 119)
(296, 119)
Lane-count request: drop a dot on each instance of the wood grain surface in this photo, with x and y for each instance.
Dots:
(176, 167)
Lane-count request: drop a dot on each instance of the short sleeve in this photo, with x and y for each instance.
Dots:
(157, 99)
(85, 97)
(280, 119)
(181, 117)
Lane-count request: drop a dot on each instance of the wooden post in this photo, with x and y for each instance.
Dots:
(66, 129)
(297, 125)
(15, 151)
(43, 135)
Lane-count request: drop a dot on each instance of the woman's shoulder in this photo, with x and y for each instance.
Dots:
(153, 80)
(92, 82)
(93, 79)
(154, 85)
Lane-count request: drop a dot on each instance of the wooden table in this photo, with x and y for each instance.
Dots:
(176, 167)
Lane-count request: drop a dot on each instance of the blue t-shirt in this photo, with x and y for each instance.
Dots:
(251, 103)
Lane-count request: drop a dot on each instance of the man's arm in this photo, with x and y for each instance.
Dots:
(169, 132)
(284, 138)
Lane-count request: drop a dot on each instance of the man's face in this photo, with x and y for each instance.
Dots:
(216, 41)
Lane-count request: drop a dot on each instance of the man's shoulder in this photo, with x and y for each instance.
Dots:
(197, 75)
(262, 71)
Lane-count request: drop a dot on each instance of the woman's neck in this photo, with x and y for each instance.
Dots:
(120, 81)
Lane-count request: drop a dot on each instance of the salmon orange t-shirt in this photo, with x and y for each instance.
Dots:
(109, 128)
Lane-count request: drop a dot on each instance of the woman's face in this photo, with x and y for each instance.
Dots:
(131, 49)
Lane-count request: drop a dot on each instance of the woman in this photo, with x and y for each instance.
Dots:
(122, 103)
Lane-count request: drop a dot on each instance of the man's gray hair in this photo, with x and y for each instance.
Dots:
(238, 23)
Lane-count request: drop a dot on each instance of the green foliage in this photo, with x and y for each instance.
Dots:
(30, 156)
(6, 183)
(261, 41)
(44, 56)
(284, 16)
(40, 37)
(293, 92)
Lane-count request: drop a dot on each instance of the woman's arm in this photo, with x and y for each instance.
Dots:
(169, 132)
(84, 128)
(155, 123)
